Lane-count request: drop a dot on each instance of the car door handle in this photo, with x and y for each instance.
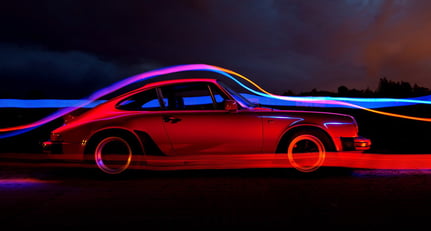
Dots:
(171, 119)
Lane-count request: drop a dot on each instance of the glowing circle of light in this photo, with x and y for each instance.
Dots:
(320, 159)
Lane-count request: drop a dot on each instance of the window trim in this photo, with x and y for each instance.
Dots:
(118, 104)
(209, 87)
(160, 98)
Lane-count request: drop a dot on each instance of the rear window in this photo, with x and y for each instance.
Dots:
(143, 101)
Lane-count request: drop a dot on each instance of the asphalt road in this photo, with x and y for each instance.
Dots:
(38, 195)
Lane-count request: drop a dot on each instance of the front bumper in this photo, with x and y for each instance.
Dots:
(355, 143)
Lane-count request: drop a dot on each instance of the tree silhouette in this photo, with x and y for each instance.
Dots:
(386, 88)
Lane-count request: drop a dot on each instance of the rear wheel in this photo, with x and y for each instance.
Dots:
(306, 150)
(113, 154)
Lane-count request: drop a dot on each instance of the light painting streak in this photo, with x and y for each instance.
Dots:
(322, 101)
(98, 94)
(45, 103)
(15, 183)
(364, 102)
(23, 181)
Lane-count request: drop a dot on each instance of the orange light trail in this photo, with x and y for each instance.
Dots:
(328, 101)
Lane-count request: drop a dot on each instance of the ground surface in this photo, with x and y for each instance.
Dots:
(60, 197)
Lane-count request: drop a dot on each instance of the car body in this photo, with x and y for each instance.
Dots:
(200, 123)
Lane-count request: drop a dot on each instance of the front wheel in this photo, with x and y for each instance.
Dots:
(113, 154)
(306, 150)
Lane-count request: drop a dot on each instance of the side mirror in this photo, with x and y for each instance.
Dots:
(230, 105)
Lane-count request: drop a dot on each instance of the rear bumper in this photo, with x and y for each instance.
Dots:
(355, 143)
(52, 147)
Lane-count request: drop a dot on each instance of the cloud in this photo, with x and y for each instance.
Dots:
(55, 74)
(283, 45)
(399, 46)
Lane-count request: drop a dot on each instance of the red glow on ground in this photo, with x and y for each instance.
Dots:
(379, 161)
(332, 159)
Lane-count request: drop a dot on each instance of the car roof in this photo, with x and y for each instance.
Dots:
(164, 83)
(169, 82)
(175, 81)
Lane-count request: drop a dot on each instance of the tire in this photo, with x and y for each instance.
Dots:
(113, 154)
(306, 149)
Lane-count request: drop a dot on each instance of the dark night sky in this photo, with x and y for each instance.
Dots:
(75, 47)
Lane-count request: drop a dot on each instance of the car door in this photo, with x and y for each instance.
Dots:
(197, 123)
(144, 118)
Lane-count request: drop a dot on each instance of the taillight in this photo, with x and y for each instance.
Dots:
(56, 137)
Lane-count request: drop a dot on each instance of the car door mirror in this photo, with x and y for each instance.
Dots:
(230, 105)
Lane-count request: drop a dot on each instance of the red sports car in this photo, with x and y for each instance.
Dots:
(201, 123)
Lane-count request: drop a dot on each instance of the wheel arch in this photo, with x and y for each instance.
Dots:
(328, 142)
(130, 136)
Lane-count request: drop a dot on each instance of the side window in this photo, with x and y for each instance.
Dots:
(143, 101)
(192, 96)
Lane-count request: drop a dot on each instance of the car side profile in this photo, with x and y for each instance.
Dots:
(198, 124)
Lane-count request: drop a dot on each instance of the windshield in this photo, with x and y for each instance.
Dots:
(238, 97)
